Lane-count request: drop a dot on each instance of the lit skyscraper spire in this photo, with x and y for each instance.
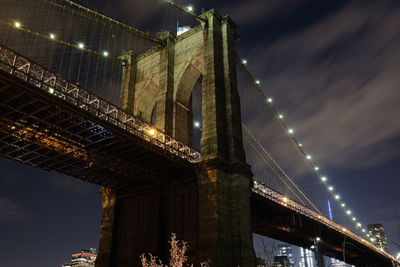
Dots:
(330, 211)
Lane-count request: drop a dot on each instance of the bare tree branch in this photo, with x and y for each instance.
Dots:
(268, 251)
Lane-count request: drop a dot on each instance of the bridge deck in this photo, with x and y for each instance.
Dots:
(276, 216)
(50, 123)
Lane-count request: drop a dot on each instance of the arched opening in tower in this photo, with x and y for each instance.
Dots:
(197, 121)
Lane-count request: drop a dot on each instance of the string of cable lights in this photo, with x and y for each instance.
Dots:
(330, 188)
(17, 25)
(323, 178)
(100, 18)
(52, 36)
(188, 9)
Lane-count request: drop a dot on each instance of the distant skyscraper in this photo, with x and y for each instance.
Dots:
(83, 258)
(330, 214)
(377, 233)
(307, 258)
(334, 262)
(182, 29)
(286, 250)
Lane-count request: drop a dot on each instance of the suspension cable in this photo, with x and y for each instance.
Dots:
(107, 21)
(276, 164)
(185, 10)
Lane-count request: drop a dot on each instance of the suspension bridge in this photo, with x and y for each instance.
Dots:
(174, 128)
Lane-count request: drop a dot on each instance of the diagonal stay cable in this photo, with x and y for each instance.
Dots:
(100, 18)
(247, 131)
(172, 3)
(256, 147)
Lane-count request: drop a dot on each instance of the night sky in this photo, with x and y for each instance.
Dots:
(333, 69)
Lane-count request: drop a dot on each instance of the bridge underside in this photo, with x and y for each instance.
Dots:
(278, 222)
(41, 130)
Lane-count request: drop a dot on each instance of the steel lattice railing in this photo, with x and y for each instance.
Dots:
(270, 194)
(46, 80)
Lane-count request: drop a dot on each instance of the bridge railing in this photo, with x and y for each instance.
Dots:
(46, 80)
(270, 194)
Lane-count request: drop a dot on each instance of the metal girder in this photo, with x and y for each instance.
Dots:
(55, 129)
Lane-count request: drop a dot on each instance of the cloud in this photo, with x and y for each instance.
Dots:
(337, 81)
(11, 211)
(70, 184)
(256, 11)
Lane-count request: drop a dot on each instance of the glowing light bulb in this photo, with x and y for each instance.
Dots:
(280, 116)
(354, 218)
(300, 145)
(285, 199)
(190, 8)
(316, 168)
(52, 36)
(290, 131)
(359, 224)
(81, 45)
(318, 239)
(363, 230)
(270, 100)
(257, 81)
(324, 179)
(152, 132)
(348, 212)
(17, 24)
(330, 188)
(309, 157)
(343, 205)
(244, 61)
(337, 197)
(51, 90)
(105, 53)
(197, 124)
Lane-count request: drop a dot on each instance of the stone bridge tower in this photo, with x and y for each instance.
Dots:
(211, 209)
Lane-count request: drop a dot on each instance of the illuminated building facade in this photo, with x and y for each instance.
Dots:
(83, 258)
(378, 237)
(307, 258)
(286, 250)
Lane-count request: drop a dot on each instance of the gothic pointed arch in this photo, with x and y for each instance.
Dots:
(183, 118)
(145, 99)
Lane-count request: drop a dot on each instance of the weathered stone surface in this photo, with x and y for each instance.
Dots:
(106, 227)
(210, 211)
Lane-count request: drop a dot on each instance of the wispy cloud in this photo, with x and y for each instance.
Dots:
(11, 211)
(252, 12)
(338, 83)
(70, 184)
